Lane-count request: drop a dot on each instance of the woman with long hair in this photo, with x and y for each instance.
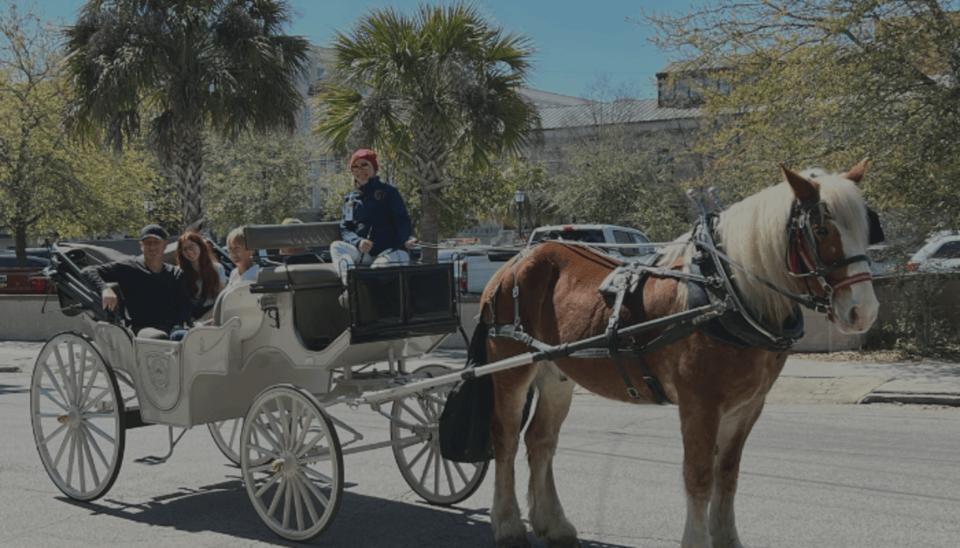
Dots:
(205, 277)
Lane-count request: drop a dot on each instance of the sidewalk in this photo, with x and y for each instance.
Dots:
(804, 380)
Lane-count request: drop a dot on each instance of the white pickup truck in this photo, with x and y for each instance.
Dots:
(476, 268)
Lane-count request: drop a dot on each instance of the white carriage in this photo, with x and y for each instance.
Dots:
(280, 352)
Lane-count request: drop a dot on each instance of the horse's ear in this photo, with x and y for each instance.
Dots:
(803, 189)
(856, 172)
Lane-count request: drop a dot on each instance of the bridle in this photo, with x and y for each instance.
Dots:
(806, 222)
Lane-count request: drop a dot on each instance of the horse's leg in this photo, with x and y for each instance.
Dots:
(734, 430)
(546, 512)
(699, 422)
(511, 394)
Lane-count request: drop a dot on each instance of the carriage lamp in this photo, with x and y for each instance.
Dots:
(518, 197)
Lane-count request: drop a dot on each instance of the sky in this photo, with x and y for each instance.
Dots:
(577, 42)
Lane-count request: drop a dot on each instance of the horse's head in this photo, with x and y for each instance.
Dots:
(829, 235)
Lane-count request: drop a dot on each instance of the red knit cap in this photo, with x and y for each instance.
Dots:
(365, 154)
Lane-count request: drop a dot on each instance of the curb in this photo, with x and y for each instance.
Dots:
(921, 399)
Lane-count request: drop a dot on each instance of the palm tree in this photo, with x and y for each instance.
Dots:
(187, 65)
(424, 87)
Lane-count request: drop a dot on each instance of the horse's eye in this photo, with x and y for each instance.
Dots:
(822, 231)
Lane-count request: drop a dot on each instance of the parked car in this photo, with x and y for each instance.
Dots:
(600, 234)
(941, 253)
(24, 280)
(883, 260)
(476, 269)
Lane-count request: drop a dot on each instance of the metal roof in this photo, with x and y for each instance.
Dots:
(618, 112)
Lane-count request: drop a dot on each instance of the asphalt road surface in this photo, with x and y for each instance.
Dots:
(813, 475)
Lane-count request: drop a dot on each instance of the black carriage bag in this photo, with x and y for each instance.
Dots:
(466, 417)
(465, 421)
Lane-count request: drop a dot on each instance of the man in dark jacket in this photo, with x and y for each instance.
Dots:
(375, 225)
(154, 293)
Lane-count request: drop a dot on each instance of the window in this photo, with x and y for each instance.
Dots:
(622, 237)
(949, 250)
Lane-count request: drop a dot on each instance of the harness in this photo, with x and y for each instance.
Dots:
(714, 305)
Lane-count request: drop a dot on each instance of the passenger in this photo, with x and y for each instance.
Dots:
(297, 255)
(205, 276)
(375, 225)
(155, 293)
(246, 269)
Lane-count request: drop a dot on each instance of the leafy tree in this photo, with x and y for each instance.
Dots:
(187, 65)
(827, 82)
(257, 180)
(620, 179)
(47, 185)
(425, 89)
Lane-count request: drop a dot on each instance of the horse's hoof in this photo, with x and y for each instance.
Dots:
(514, 543)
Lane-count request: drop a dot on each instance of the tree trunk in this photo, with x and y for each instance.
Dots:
(429, 227)
(185, 164)
(20, 241)
(429, 159)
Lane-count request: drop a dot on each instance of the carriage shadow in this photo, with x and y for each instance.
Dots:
(362, 522)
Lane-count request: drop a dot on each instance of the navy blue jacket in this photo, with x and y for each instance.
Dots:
(376, 212)
(152, 299)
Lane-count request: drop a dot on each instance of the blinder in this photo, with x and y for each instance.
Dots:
(876, 231)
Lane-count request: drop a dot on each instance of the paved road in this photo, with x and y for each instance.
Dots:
(813, 475)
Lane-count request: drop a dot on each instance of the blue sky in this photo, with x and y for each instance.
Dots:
(576, 41)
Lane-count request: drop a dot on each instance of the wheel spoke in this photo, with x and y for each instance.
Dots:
(276, 497)
(103, 434)
(89, 387)
(446, 472)
(95, 445)
(269, 483)
(413, 462)
(287, 500)
(90, 462)
(49, 396)
(53, 434)
(304, 487)
(63, 445)
(317, 494)
(297, 503)
(106, 392)
(410, 410)
(53, 380)
(320, 477)
(73, 446)
(304, 429)
(262, 430)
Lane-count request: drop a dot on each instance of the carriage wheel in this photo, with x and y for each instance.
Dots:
(415, 425)
(226, 434)
(292, 463)
(78, 417)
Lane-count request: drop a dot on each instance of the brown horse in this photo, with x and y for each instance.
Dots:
(719, 387)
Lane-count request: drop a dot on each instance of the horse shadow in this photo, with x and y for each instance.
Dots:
(362, 521)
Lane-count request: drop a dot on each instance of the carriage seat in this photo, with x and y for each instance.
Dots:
(299, 275)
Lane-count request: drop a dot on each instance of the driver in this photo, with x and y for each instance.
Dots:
(155, 293)
(375, 227)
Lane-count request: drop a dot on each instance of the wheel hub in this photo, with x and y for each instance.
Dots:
(287, 464)
(71, 418)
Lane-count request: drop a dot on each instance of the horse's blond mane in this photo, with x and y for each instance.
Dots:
(754, 233)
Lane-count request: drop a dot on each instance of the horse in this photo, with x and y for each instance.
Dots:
(550, 294)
